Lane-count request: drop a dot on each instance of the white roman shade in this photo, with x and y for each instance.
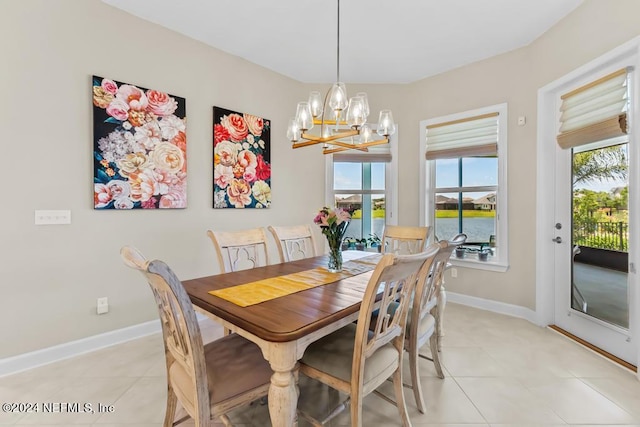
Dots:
(471, 136)
(595, 111)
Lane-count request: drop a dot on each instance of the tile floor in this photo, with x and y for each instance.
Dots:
(605, 291)
(500, 371)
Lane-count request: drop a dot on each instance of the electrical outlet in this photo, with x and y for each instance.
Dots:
(53, 217)
(102, 305)
(454, 272)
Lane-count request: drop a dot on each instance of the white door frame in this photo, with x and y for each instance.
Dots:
(546, 178)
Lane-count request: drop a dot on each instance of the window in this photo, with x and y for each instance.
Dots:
(364, 184)
(464, 186)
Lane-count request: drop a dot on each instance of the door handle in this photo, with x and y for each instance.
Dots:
(558, 239)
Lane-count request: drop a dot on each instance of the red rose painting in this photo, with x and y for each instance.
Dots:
(241, 160)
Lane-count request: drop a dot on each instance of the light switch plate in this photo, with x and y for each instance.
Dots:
(53, 217)
(102, 305)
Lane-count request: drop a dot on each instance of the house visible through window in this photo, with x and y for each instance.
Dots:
(360, 189)
(365, 184)
(466, 182)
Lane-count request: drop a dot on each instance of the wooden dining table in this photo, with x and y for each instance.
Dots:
(283, 327)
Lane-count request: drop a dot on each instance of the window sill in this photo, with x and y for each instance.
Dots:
(479, 265)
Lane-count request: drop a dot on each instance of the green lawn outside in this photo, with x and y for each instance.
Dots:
(465, 214)
(377, 213)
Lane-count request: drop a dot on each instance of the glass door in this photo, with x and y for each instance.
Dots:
(592, 251)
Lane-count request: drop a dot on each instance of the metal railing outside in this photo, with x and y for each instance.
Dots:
(602, 235)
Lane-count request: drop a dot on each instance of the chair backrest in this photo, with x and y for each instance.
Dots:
(240, 250)
(404, 240)
(394, 277)
(183, 346)
(428, 287)
(294, 242)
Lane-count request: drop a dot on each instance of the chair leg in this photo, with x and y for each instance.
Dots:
(356, 409)
(172, 403)
(399, 391)
(415, 377)
(435, 354)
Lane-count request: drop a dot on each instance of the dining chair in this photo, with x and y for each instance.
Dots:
(400, 239)
(294, 242)
(240, 250)
(424, 315)
(207, 380)
(358, 358)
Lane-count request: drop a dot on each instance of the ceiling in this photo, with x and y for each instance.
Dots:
(381, 41)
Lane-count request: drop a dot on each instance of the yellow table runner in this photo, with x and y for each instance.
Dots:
(276, 287)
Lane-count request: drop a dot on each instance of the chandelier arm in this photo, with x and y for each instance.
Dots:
(373, 143)
(329, 122)
(347, 145)
(305, 143)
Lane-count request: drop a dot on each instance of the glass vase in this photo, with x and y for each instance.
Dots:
(335, 255)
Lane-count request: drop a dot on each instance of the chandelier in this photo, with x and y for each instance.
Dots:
(342, 122)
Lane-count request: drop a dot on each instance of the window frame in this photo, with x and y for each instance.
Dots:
(390, 184)
(500, 262)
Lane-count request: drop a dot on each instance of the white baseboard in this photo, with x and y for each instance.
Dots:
(495, 306)
(22, 362)
(34, 359)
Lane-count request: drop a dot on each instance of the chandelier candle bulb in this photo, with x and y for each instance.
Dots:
(355, 113)
(386, 125)
(365, 102)
(304, 117)
(315, 102)
(338, 100)
(366, 134)
(293, 131)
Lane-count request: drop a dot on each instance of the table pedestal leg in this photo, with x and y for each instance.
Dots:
(442, 302)
(283, 392)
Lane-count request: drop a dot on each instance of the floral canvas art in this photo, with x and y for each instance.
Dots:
(139, 147)
(241, 160)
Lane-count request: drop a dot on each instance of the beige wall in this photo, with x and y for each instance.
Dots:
(52, 275)
(591, 30)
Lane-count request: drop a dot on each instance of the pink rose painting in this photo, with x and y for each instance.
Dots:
(139, 147)
(241, 160)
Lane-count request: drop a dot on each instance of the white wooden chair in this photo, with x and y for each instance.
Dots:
(294, 242)
(404, 240)
(240, 250)
(424, 316)
(358, 358)
(208, 380)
